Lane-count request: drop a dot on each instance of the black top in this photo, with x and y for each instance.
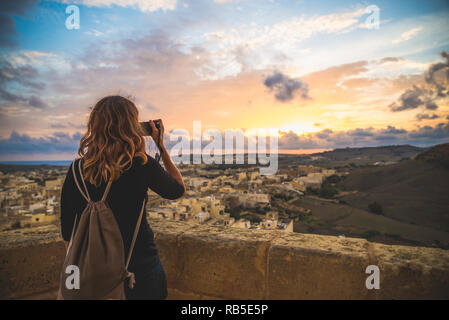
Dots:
(125, 200)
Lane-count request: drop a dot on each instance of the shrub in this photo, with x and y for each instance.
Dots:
(235, 212)
(376, 208)
(16, 225)
(333, 179)
(370, 233)
(252, 217)
(312, 191)
(327, 191)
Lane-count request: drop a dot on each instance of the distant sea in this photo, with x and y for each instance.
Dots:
(68, 162)
(35, 163)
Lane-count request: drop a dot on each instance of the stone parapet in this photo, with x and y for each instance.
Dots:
(211, 262)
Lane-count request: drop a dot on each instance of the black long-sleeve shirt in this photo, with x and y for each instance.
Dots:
(125, 200)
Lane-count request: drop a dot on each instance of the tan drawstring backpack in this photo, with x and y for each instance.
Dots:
(96, 250)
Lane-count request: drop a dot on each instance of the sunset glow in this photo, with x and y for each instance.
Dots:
(317, 72)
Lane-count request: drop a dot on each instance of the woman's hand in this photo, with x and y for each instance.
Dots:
(168, 163)
(155, 132)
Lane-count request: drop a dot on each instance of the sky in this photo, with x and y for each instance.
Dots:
(321, 74)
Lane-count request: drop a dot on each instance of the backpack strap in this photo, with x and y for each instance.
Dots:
(87, 197)
(130, 275)
(106, 191)
(136, 231)
(72, 235)
(82, 178)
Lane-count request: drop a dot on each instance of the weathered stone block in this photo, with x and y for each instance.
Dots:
(28, 270)
(166, 238)
(305, 266)
(412, 272)
(208, 262)
(224, 263)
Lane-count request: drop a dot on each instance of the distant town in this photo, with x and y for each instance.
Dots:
(216, 195)
(238, 198)
(336, 193)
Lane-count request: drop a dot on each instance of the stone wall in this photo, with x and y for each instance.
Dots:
(207, 262)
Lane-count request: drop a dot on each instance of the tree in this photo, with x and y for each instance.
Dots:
(310, 190)
(327, 191)
(235, 212)
(333, 179)
(16, 225)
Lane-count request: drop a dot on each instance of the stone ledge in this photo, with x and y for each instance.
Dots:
(208, 262)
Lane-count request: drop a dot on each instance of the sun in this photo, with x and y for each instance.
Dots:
(301, 128)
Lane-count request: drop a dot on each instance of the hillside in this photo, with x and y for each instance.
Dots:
(438, 154)
(414, 191)
(371, 154)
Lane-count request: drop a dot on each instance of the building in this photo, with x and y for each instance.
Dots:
(328, 172)
(51, 184)
(242, 223)
(260, 198)
(254, 175)
(201, 217)
(306, 170)
(41, 218)
(286, 226)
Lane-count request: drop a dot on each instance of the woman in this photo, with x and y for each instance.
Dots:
(113, 146)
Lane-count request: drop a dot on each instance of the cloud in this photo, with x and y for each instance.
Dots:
(36, 102)
(430, 105)
(442, 68)
(17, 79)
(58, 126)
(425, 116)
(226, 1)
(94, 32)
(160, 67)
(58, 142)
(366, 137)
(253, 46)
(61, 142)
(68, 125)
(360, 132)
(410, 99)
(153, 67)
(392, 130)
(285, 88)
(151, 107)
(436, 86)
(8, 9)
(390, 59)
(407, 35)
(142, 5)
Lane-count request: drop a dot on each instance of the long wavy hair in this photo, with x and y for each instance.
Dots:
(113, 138)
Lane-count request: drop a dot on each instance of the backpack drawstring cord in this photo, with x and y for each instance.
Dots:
(132, 279)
